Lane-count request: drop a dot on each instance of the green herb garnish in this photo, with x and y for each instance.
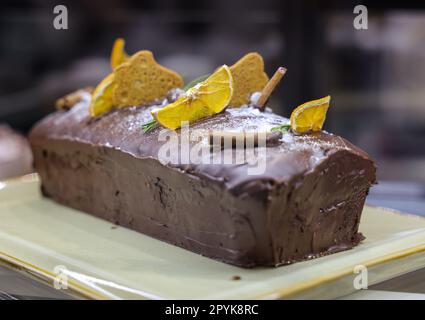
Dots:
(282, 127)
(194, 82)
(149, 126)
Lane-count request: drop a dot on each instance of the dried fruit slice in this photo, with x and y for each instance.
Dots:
(310, 116)
(141, 80)
(215, 91)
(248, 77)
(203, 100)
(118, 55)
(174, 114)
(102, 96)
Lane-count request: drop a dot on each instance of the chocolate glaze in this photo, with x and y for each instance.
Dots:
(307, 203)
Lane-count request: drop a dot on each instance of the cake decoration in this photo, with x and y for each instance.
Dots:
(282, 127)
(248, 77)
(141, 80)
(135, 80)
(118, 55)
(101, 101)
(102, 96)
(310, 116)
(205, 99)
(195, 81)
(68, 101)
(243, 139)
(269, 87)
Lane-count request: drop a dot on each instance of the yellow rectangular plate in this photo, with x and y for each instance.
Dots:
(97, 260)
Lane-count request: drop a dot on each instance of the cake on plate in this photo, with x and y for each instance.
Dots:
(300, 197)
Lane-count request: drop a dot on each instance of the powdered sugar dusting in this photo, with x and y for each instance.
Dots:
(309, 142)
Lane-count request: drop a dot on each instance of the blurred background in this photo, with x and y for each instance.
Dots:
(376, 77)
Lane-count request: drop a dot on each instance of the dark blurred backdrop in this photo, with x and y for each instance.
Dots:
(376, 77)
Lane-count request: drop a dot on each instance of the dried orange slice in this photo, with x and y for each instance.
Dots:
(118, 54)
(203, 100)
(310, 116)
(102, 96)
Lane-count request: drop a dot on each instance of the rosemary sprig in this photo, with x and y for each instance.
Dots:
(282, 127)
(149, 126)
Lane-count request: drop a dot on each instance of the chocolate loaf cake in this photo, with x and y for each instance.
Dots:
(307, 202)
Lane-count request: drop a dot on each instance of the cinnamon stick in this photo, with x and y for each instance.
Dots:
(270, 86)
